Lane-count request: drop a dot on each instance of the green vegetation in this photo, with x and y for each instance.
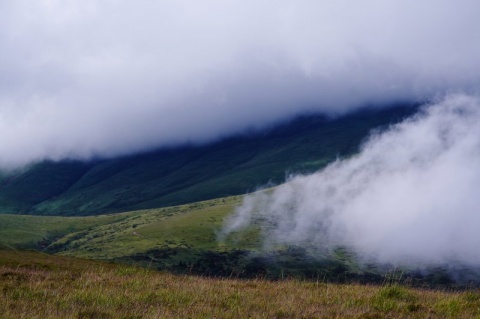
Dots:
(35, 285)
(181, 234)
(188, 174)
(38, 232)
(183, 239)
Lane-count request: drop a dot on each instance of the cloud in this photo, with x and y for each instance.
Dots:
(410, 197)
(105, 77)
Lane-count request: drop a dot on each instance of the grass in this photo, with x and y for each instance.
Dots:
(35, 285)
(180, 238)
(193, 226)
(37, 232)
(185, 232)
(140, 228)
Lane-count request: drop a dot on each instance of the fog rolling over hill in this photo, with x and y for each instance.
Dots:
(409, 198)
(109, 106)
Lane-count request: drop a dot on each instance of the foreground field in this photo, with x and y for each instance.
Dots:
(35, 285)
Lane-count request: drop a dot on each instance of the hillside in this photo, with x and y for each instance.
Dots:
(184, 239)
(174, 176)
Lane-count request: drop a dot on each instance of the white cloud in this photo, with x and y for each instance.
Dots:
(409, 197)
(105, 77)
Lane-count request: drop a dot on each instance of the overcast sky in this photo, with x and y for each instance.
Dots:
(107, 77)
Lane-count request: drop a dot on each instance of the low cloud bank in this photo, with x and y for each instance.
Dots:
(410, 197)
(104, 78)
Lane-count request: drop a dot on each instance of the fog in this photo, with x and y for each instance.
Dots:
(410, 197)
(105, 77)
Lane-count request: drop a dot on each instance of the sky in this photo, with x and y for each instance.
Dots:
(89, 78)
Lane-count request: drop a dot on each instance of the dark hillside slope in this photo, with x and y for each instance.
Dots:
(192, 173)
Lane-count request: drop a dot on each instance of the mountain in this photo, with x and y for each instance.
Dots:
(190, 173)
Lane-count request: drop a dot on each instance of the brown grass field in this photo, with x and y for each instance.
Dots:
(35, 285)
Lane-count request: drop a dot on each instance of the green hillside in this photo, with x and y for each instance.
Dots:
(117, 235)
(184, 239)
(191, 173)
(165, 238)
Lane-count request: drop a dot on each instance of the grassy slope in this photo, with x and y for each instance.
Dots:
(189, 174)
(180, 238)
(37, 232)
(117, 235)
(183, 239)
(36, 285)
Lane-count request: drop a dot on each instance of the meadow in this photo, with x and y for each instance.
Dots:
(36, 285)
(184, 240)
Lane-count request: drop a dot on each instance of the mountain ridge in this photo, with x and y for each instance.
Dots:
(190, 173)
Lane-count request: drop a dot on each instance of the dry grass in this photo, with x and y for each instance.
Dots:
(35, 285)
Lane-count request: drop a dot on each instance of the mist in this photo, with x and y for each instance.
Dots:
(106, 78)
(408, 198)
